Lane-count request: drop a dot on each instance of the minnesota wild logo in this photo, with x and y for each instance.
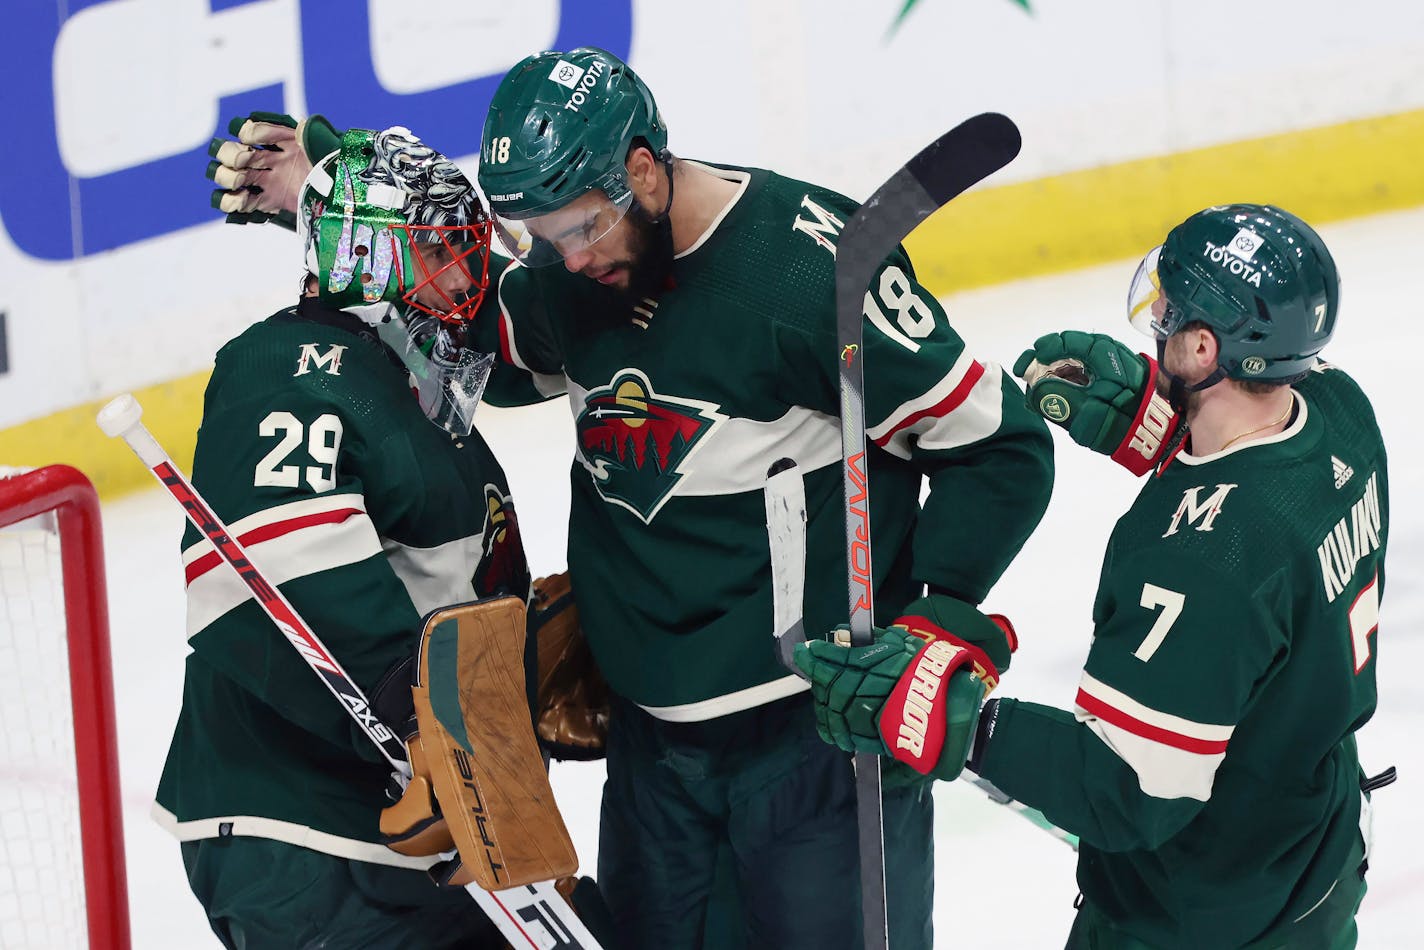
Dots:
(633, 441)
(502, 568)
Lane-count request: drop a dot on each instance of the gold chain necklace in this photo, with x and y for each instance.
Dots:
(1260, 428)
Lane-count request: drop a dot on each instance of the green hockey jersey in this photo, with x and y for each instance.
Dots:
(316, 454)
(682, 402)
(1209, 765)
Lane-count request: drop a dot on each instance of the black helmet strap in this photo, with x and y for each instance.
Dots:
(1177, 388)
(665, 157)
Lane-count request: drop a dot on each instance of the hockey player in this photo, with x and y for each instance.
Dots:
(1209, 762)
(371, 505)
(687, 309)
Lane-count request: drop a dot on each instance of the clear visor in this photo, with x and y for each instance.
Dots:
(541, 237)
(448, 378)
(1148, 309)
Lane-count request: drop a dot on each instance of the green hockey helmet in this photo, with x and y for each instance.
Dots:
(1259, 277)
(387, 220)
(560, 127)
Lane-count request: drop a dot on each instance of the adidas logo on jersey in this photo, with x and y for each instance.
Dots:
(1343, 472)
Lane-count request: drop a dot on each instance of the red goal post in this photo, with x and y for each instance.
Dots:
(63, 499)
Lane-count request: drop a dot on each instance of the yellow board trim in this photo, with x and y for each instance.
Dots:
(171, 411)
(1090, 217)
(988, 236)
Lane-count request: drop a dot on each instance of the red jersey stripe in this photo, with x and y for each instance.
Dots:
(944, 407)
(504, 350)
(267, 532)
(1137, 727)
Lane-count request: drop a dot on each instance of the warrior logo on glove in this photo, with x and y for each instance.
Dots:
(914, 693)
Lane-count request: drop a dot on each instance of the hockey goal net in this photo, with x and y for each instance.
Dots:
(62, 881)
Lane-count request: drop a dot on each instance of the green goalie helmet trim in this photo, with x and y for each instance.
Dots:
(559, 126)
(1258, 276)
(383, 217)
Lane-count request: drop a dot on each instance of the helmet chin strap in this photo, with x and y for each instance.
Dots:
(666, 158)
(663, 221)
(664, 217)
(1177, 388)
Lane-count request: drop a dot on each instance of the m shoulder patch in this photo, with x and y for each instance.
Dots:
(309, 359)
(821, 226)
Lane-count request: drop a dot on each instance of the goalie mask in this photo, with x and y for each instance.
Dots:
(394, 234)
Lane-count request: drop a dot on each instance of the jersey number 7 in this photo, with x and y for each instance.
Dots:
(1171, 603)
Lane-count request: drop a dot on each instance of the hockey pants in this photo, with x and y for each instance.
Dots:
(1329, 926)
(758, 792)
(270, 895)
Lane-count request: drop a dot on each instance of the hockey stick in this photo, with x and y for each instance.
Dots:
(1032, 815)
(958, 159)
(786, 533)
(534, 916)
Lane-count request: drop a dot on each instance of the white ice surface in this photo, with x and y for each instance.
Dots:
(1001, 883)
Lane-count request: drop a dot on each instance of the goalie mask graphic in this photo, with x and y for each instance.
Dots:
(394, 233)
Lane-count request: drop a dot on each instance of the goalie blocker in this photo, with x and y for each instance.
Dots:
(474, 751)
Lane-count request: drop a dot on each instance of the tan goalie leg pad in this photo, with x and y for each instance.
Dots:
(486, 768)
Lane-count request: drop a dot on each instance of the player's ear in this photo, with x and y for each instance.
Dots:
(643, 168)
(1205, 348)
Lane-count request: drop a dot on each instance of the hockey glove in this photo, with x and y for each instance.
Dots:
(912, 694)
(937, 612)
(571, 720)
(1102, 393)
(260, 176)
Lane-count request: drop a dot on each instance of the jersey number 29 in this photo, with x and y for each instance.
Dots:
(323, 440)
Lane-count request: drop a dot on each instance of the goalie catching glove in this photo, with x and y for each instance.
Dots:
(914, 694)
(571, 718)
(1104, 394)
(260, 175)
(475, 749)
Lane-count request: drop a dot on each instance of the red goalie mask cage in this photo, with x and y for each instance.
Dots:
(62, 881)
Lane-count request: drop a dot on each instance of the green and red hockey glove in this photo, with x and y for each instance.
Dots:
(1102, 393)
(941, 611)
(260, 175)
(912, 695)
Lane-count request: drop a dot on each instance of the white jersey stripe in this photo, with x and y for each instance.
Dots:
(308, 550)
(731, 702)
(976, 416)
(1186, 731)
(924, 401)
(269, 518)
(290, 832)
(1172, 757)
(1163, 771)
(439, 576)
